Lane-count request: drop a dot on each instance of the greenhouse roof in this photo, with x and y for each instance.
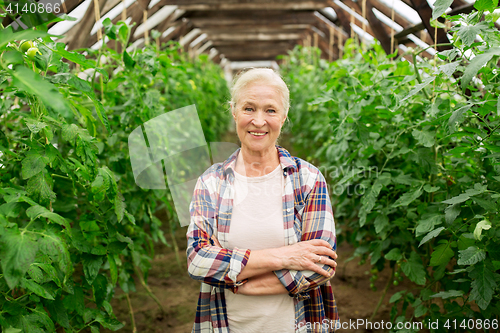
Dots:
(258, 30)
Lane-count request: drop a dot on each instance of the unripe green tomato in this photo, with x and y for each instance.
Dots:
(396, 274)
(31, 53)
(373, 270)
(395, 282)
(400, 278)
(130, 230)
(26, 45)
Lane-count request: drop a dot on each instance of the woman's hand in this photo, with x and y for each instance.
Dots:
(306, 256)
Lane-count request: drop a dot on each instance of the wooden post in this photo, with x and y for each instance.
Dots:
(145, 20)
(97, 13)
(392, 30)
(363, 11)
(315, 40)
(352, 22)
(341, 44)
(124, 11)
(330, 46)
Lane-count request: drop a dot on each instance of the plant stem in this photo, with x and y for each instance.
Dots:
(418, 75)
(383, 295)
(148, 290)
(131, 311)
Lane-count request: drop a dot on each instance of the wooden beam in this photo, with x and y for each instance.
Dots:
(249, 5)
(425, 12)
(249, 36)
(81, 31)
(342, 16)
(378, 28)
(260, 18)
(357, 8)
(387, 11)
(257, 29)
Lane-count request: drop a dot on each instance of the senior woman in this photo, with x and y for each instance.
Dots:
(262, 234)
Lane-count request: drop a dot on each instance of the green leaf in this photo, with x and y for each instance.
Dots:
(407, 198)
(18, 252)
(483, 285)
(101, 113)
(26, 80)
(69, 132)
(99, 287)
(457, 117)
(427, 224)
(36, 273)
(419, 87)
(381, 221)
(471, 256)
(449, 69)
(113, 270)
(91, 266)
(488, 5)
(33, 164)
(440, 7)
(414, 269)
(52, 245)
(34, 126)
(476, 64)
(75, 57)
(128, 61)
(39, 188)
(420, 310)
(8, 35)
(12, 330)
(37, 289)
(58, 313)
(448, 294)
(429, 189)
(468, 33)
(393, 254)
(51, 272)
(35, 212)
(119, 206)
(442, 254)
(424, 138)
(109, 323)
(397, 296)
(456, 200)
(480, 226)
(430, 235)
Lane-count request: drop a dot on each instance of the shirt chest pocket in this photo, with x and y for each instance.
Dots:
(298, 210)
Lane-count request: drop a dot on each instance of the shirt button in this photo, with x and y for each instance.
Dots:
(288, 210)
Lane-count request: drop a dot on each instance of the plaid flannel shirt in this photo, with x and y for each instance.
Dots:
(307, 214)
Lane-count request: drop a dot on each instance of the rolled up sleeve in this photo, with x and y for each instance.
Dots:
(207, 262)
(317, 223)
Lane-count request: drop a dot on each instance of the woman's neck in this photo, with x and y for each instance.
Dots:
(255, 164)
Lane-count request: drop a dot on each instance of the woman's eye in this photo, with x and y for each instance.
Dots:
(271, 111)
(248, 109)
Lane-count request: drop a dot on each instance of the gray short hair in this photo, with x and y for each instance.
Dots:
(267, 75)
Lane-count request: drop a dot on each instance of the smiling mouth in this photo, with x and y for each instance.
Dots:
(258, 133)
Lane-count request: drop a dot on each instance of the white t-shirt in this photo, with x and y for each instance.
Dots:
(257, 224)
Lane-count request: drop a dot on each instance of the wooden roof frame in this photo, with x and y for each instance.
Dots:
(262, 29)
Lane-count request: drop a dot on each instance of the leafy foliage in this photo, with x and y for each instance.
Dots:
(74, 226)
(412, 156)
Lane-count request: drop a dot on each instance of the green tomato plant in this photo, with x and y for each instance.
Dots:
(412, 157)
(74, 226)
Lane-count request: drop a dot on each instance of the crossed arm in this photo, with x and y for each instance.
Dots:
(291, 269)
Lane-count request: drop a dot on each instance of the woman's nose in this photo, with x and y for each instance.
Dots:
(259, 119)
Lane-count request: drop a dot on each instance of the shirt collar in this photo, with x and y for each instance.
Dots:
(286, 160)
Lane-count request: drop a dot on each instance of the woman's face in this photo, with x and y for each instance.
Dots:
(259, 115)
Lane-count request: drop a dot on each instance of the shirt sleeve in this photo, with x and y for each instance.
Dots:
(206, 262)
(317, 223)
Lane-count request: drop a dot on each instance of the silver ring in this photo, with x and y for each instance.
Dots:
(319, 260)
